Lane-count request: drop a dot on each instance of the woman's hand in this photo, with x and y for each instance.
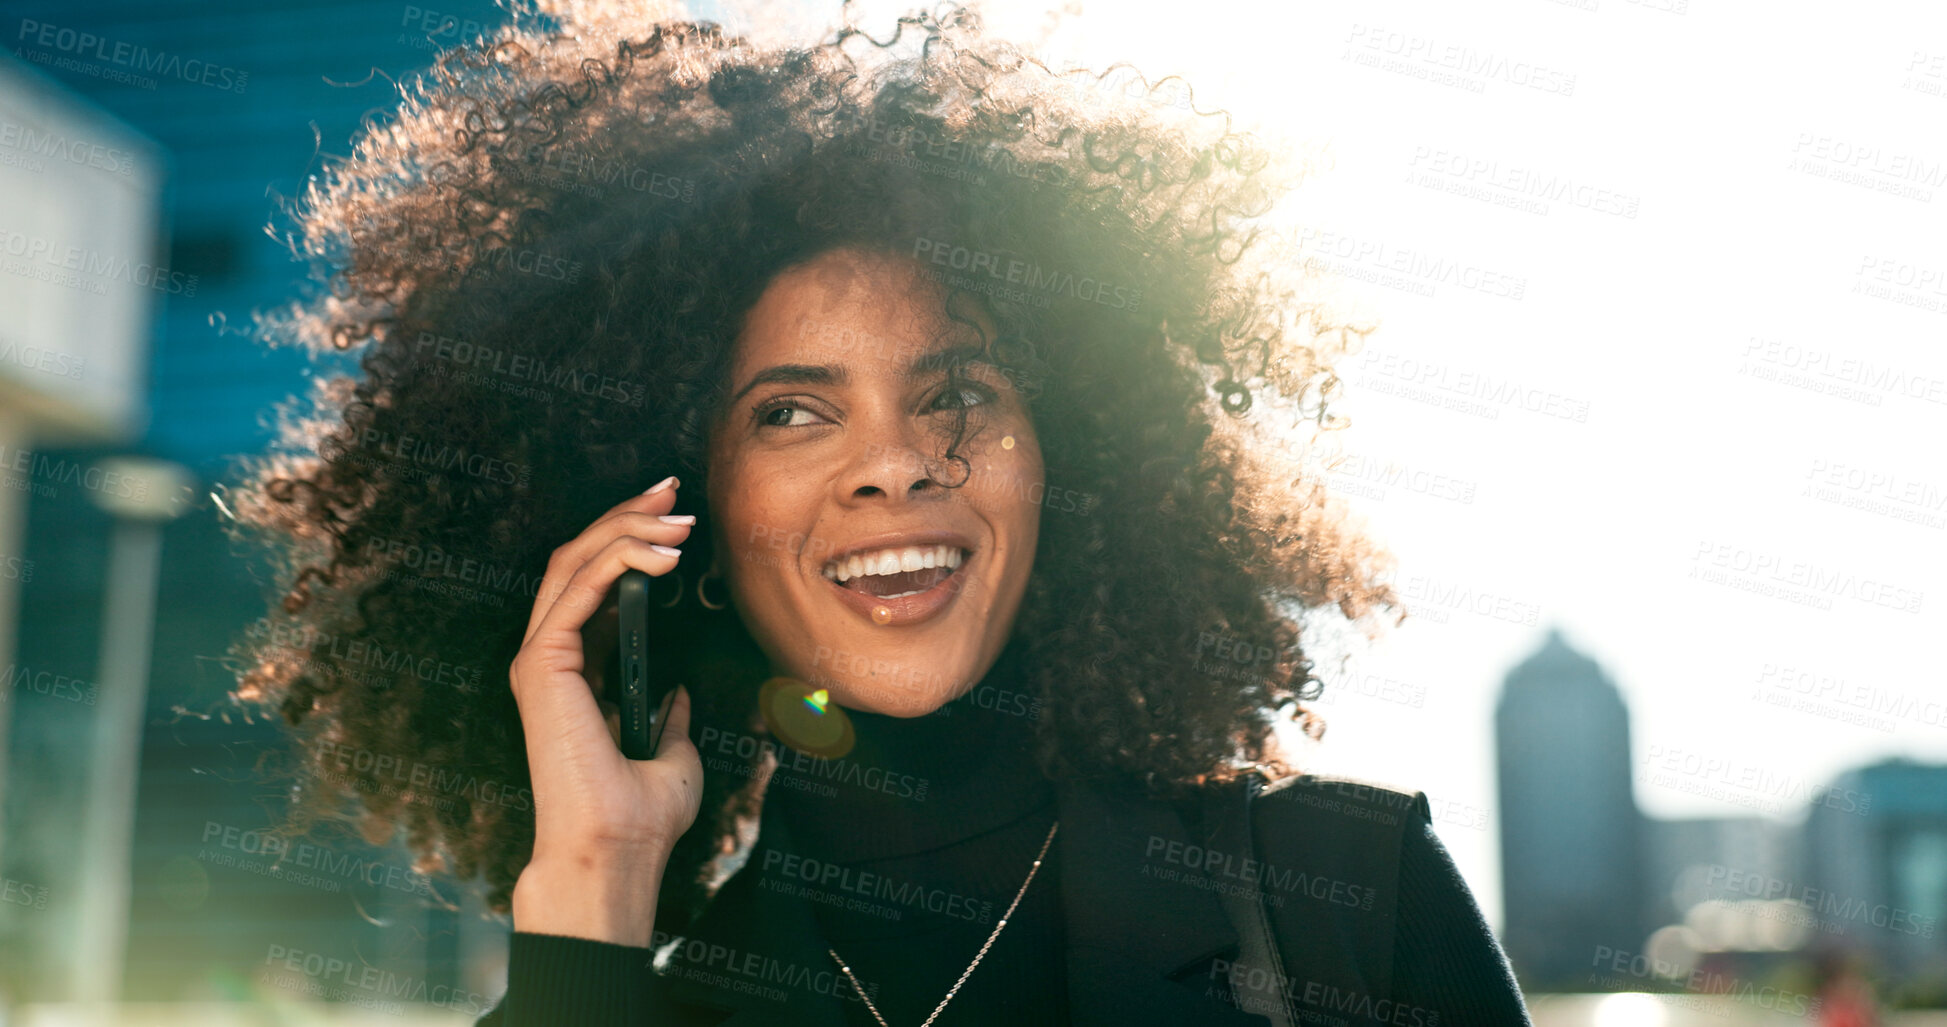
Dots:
(603, 824)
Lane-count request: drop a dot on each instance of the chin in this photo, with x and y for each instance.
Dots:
(892, 702)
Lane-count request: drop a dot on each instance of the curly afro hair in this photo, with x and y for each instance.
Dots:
(541, 264)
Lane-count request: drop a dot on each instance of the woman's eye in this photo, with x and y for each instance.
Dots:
(784, 415)
(970, 396)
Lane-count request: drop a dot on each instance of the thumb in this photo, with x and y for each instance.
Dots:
(676, 726)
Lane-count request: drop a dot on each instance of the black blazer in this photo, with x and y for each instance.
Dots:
(1373, 925)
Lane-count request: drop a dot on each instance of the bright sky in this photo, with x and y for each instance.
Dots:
(1697, 228)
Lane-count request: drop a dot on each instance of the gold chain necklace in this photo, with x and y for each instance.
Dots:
(977, 956)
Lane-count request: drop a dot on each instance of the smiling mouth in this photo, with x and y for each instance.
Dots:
(896, 572)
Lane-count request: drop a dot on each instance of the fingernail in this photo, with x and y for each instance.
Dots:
(666, 550)
(677, 518)
(669, 482)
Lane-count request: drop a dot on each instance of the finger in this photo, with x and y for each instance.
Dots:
(555, 648)
(675, 748)
(658, 499)
(570, 558)
(647, 524)
(677, 713)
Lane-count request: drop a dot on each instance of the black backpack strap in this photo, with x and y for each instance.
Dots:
(1227, 820)
(1321, 907)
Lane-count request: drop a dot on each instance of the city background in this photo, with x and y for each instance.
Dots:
(1659, 465)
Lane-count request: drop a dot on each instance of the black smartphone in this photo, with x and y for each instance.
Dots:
(641, 693)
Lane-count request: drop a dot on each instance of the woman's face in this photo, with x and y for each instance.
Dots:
(851, 564)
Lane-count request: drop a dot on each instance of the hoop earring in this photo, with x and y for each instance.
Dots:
(704, 598)
(676, 596)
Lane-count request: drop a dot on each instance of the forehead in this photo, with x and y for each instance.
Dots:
(852, 307)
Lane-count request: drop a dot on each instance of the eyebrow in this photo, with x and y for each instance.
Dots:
(831, 374)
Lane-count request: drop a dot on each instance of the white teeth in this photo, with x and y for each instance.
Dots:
(893, 561)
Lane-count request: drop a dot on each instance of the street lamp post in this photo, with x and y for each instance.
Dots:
(100, 936)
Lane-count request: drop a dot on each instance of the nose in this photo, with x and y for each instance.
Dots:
(889, 465)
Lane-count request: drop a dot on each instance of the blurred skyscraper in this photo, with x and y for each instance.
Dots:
(1585, 872)
(1570, 833)
(1877, 872)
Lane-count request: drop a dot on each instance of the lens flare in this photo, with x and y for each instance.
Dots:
(805, 718)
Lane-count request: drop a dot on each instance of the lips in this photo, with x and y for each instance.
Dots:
(898, 579)
(895, 571)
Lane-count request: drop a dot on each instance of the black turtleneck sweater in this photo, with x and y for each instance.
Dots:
(958, 856)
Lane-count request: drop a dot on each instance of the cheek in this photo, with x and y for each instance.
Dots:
(1013, 486)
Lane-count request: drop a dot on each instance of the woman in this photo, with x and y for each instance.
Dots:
(980, 577)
